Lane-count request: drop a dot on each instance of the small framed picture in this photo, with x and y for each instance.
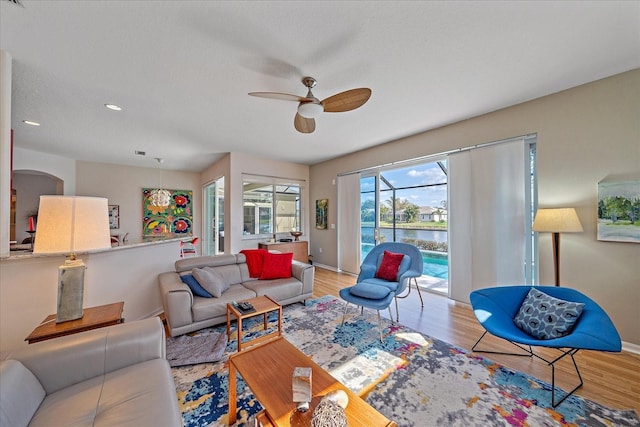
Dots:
(322, 207)
(114, 216)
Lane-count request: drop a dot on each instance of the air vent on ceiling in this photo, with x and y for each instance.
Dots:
(16, 2)
(140, 153)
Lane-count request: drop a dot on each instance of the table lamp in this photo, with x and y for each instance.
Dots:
(70, 224)
(556, 221)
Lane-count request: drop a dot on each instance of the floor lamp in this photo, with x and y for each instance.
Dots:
(556, 221)
(66, 225)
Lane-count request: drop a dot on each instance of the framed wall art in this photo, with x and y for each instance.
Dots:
(114, 216)
(166, 212)
(619, 211)
(322, 207)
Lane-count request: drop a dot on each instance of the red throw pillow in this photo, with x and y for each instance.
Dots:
(388, 269)
(276, 266)
(255, 261)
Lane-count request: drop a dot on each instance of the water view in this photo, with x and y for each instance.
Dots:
(435, 264)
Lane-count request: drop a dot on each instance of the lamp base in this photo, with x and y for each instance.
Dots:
(70, 290)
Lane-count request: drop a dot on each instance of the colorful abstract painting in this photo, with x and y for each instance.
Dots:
(166, 212)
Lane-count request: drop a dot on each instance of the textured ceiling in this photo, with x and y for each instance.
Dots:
(181, 70)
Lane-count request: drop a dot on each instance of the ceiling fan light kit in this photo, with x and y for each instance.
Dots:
(310, 107)
(310, 110)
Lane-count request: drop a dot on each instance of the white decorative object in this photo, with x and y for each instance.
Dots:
(301, 385)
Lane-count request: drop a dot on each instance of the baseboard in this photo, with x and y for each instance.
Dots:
(630, 347)
(327, 267)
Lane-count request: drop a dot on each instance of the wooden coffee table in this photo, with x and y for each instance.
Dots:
(268, 368)
(262, 305)
(93, 318)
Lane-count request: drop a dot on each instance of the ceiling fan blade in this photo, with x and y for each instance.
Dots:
(346, 101)
(303, 124)
(283, 96)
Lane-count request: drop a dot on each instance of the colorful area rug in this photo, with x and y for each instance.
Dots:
(411, 378)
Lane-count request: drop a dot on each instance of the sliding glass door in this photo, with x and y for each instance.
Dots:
(409, 204)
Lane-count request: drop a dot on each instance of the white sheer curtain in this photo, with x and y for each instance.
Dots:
(349, 223)
(489, 203)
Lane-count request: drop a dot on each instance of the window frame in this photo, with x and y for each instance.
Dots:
(279, 224)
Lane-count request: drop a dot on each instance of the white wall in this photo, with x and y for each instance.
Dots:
(122, 185)
(62, 168)
(29, 292)
(232, 167)
(585, 134)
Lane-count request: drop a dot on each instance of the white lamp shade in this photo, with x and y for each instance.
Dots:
(68, 224)
(561, 220)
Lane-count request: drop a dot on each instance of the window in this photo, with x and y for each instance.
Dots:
(271, 207)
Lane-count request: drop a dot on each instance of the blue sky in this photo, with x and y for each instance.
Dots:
(428, 173)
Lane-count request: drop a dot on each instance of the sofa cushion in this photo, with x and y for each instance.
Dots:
(193, 284)
(277, 289)
(133, 396)
(211, 280)
(20, 394)
(255, 261)
(205, 309)
(545, 317)
(388, 268)
(276, 266)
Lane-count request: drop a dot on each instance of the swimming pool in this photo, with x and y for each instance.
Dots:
(434, 264)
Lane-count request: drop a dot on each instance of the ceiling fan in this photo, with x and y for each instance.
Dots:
(310, 107)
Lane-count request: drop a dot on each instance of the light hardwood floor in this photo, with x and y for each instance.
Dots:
(612, 379)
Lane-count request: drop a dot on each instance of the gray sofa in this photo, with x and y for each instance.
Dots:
(186, 312)
(114, 376)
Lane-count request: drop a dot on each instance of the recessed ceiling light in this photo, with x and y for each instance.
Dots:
(113, 107)
(31, 123)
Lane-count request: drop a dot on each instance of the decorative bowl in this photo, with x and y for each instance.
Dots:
(296, 234)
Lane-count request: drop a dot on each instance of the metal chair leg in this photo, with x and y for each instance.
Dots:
(346, 305)
(379, 325)
(419, 293)
(397, 311)
(529, 352)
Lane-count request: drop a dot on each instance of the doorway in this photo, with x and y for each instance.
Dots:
(213, 227)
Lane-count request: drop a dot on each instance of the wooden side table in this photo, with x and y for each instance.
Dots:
(262, 305)
(93, 318)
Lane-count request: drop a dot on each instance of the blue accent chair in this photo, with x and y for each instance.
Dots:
(496, 307)
(376, 293)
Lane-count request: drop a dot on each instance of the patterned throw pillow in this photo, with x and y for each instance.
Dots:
(546, 317)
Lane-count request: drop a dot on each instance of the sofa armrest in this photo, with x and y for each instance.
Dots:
(62, 362)
(304, 273)
(177, 300)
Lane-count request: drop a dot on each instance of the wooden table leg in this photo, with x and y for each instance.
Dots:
(228, 323)
(265, 321)
(232, 394)
(239, 323)
(280, 321)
